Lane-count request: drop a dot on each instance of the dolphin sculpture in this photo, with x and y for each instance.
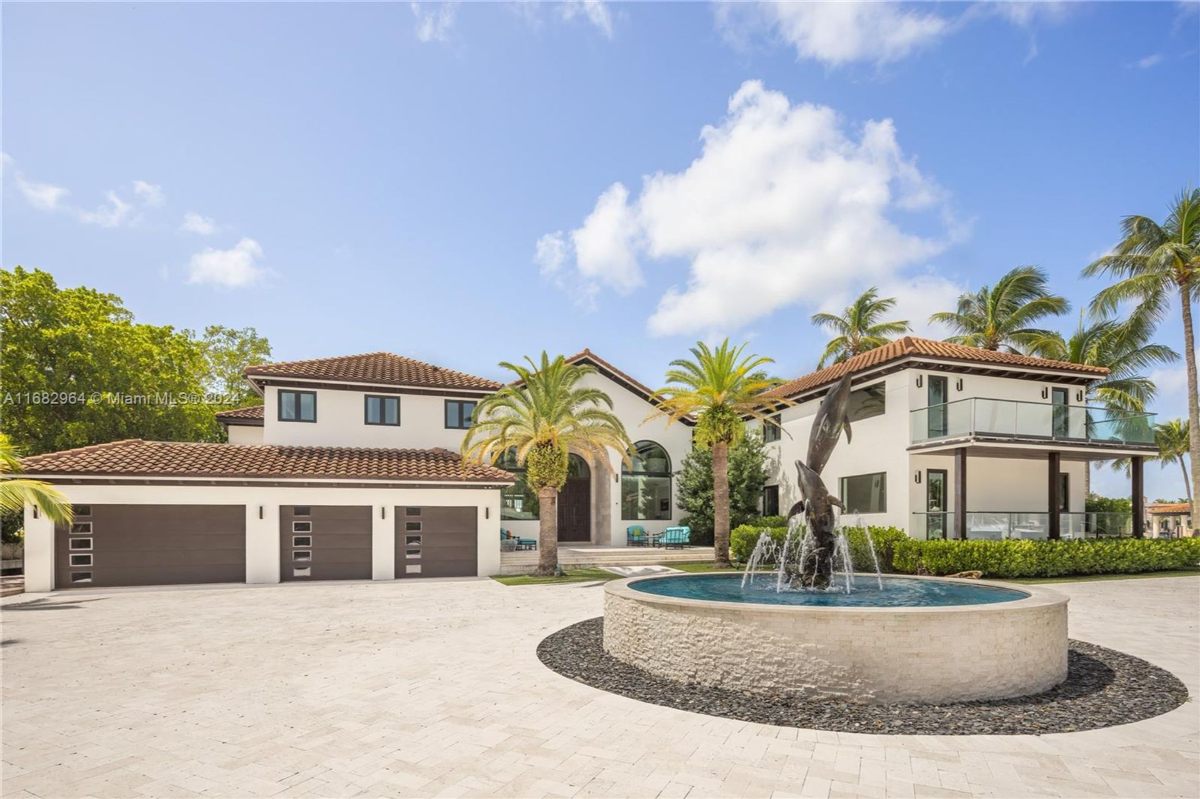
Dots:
(832, 417)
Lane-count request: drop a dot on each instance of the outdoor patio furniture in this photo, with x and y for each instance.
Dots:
(520, 543)
(635, 536)
(677, 537)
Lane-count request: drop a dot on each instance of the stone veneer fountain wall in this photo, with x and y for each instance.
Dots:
(922, 655)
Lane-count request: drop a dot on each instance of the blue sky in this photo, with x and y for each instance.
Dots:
(471, 183)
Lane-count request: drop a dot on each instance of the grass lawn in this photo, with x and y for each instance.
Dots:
(1090, 577)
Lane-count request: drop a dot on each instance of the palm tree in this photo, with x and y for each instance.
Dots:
(1001, 317)
(17, 492)
(539, 419)
(858, 327)
(1173, 438)
(1122, 347)
(1151, 263)
(718, 388)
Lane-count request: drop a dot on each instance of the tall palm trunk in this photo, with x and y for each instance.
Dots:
(721, 503)
(547, 531)
(1187, 486)
(1189, 355)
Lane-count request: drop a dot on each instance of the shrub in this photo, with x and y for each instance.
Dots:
(747, 476)
(1013, 558)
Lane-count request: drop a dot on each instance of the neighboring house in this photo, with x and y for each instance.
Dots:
(953, 441)
(349, 470)
(1168, 519)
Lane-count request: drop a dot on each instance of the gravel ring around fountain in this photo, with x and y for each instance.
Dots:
(1103, 688)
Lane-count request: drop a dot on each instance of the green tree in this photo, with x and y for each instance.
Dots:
(17, 492)
(540, 418)
(1001, 317)
(226, 353)
(1173, 439)
(78, 370)
(720, 389)
(747, 477)
(1151, 263)
(859, 327)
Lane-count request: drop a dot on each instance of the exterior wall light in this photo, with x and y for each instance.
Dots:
(260, 511)
(918, 478)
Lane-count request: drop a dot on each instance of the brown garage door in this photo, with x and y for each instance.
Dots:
(437, 542)
(111, 545)
(325, 542)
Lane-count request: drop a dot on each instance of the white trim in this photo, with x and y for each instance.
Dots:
(355, 384)
(332, 481)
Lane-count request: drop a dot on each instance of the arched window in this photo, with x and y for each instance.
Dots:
(646, 485)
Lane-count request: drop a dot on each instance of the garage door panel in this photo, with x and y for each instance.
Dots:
(446, 545)
(339, 545)
(154, 545)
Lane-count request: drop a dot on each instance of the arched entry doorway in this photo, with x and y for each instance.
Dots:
(575, 502)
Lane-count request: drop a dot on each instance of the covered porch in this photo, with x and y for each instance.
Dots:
(997, 490)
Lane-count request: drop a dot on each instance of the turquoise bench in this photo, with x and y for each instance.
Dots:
(678, 537)
(635, 536)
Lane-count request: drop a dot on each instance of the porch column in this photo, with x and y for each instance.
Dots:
(960, 493)
(1055, 502)
(1139, 499)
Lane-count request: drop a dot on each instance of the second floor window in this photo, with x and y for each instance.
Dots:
(297, 406)
(865, 493)
(770, 501)
(458, 414)
(382, 410)
(772, 430)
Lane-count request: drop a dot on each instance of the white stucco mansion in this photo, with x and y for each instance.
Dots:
(349, 470)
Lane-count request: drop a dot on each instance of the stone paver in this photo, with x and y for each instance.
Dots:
(433, 688)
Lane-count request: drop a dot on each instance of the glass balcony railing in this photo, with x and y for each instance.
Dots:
(1001, 525)
(980, 416)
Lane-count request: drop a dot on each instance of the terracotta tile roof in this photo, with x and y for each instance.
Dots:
(374, 367)
(1167, 507)
(910, 346)
(254, 412)
(135, 457)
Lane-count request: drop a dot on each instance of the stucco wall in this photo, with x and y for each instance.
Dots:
(262, 535)
(245, 434)
(340, 423)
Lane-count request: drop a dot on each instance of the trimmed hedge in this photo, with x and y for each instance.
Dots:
(743, 539)
(1014, 558)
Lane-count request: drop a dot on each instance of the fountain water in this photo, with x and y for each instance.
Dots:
(784, 561)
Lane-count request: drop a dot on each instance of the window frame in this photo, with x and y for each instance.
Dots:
(772, 431)
(464, 423)
(855, 414)
(775, 489)
(296, 393)
(842, 481)
(383, 398)
(668, 474)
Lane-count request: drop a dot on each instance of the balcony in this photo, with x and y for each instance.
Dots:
(979, 417)
(1001, 525)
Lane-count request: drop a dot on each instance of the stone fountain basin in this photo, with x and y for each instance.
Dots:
(910, 655)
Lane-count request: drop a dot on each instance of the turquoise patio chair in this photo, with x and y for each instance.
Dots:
(678, 537)
(522, 543)
(635, 536)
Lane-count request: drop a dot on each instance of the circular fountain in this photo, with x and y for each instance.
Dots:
(915, 640)
(808, 627)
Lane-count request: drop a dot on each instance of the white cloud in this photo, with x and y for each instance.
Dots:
(550, 253)
(835, 33)
(434, 23)
(236, 267)
(42, 196)
(594, 11)
(785, 204)
(195, 223)
(6, 160)
(151, 194)
(111, 213)
(1146, 63)
(919, 296)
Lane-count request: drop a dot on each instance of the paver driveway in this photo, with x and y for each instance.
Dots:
(433, 688)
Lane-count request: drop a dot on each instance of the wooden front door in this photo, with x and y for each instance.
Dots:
(575, 503)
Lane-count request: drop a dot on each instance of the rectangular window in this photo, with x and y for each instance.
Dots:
(412, 527)
(302, 556)
(412, 511)
(301, 527)
(1064, 492)
(302, 510)
(82, 510)
(302, 540)
(297, 406)
(412, 553)
(458, 414)
(304, 572)
(867, 402)
(865, 493)
(412, 540)
(645, 498)
(411, 569)
(80, 543)
(81, 528)
(772, 430)
(81, 560)
(770, 502)
(81, 577)
(382, 410)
